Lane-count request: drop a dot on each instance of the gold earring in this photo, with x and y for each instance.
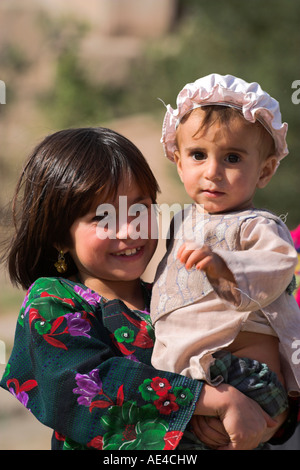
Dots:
(61, 265)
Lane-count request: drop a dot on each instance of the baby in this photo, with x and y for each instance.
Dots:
(222, 305)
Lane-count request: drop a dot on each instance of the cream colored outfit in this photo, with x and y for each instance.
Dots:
(193, 318)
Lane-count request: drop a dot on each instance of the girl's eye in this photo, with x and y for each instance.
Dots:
(232, 158)
(138, 210)
(135, 208)
(198, 156)
(99, 218)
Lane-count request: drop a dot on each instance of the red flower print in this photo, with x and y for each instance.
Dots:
(59, 436)
(160, 386)
(68, 301)
(19, 391)
(171, 439)
(96, 443)
(166, 404)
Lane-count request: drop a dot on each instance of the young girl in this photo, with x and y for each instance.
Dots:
(223, 309)
(81, 362)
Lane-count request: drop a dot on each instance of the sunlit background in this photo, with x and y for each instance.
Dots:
(68, 63)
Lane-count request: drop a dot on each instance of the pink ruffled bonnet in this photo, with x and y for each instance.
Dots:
(249, 98)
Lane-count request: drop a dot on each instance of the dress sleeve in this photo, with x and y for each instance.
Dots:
(263, 265)
(93, 386)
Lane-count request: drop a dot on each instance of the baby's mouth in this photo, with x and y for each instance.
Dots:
(213, 193)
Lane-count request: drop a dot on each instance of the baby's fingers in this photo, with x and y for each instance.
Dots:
(189, 257)
(194, 258)
(181, 251)
(184, 253)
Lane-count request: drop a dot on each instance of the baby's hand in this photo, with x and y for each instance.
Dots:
(205, 259)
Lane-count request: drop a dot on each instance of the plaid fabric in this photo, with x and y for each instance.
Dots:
(253, 379)
(82, 366)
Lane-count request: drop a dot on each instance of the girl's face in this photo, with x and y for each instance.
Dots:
(111, 248)
(221, 166)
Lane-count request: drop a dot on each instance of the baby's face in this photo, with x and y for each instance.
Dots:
(221, 165)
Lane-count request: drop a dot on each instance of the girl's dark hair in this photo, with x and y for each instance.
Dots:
(62, 179)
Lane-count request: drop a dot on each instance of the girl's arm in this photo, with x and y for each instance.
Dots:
(86, 374)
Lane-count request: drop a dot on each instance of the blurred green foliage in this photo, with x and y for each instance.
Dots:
(255, 40)
(74, 99)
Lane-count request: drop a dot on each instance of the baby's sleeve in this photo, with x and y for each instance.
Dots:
(263, 264)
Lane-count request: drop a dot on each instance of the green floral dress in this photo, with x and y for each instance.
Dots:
(82, 366)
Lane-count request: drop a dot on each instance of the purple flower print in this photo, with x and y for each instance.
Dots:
(20, 391)
(132, 357)
(21, 396)
(91, 297)
(89, 385)
(77, 326)
(26, 297)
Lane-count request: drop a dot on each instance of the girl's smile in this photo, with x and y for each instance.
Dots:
(129, 252)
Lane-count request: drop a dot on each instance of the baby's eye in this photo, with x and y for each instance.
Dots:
(232, 158)
(198, 156)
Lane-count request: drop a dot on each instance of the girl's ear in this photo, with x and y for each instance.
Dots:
(267, 171)
(178, 163)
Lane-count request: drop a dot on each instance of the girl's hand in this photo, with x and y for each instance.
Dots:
(245, 423)
(205, 259)
(210, 431)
